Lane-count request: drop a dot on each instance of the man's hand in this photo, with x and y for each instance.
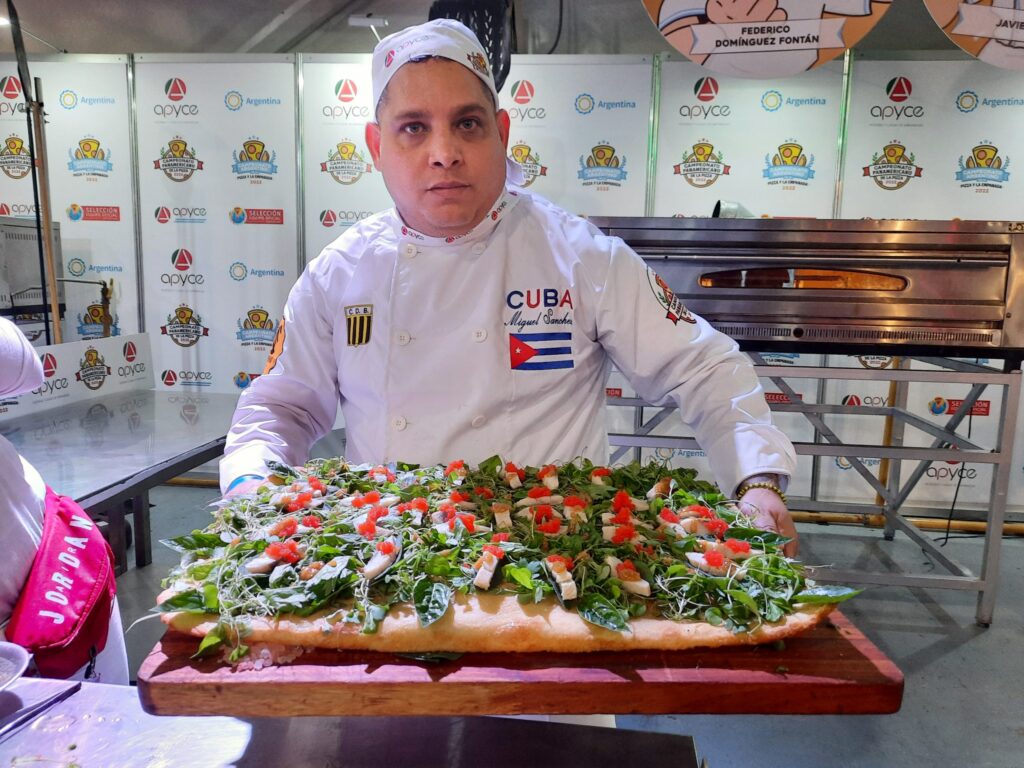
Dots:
(249, 486)
(731, 11)
(771, 514)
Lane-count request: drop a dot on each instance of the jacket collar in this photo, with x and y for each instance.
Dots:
(506, 202)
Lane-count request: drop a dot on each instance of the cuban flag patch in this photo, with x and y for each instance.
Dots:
(540, 351)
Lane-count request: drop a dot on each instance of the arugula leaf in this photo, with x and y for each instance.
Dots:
(432, 599)
(826, 594)
(192, 601)
(599, 610)
(192, 541)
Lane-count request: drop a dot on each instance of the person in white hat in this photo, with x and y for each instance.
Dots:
(475, 319)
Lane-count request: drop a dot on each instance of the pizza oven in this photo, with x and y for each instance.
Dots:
(844, 286)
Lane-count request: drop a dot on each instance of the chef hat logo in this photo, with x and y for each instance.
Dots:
(444, 38)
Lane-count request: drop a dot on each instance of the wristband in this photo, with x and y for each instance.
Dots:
(742, 490)
(241, 479)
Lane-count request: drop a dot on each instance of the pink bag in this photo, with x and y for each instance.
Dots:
(63, 612)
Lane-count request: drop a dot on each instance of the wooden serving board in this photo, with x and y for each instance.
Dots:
(833, 669)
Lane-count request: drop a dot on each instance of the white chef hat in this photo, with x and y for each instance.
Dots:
(446, 38)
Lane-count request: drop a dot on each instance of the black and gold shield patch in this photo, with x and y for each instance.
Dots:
(359, 324)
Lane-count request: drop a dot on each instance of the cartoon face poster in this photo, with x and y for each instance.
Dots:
(989, 30)
(764, 38)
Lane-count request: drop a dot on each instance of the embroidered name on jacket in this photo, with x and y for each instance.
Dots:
(358, 324)
(540, 351)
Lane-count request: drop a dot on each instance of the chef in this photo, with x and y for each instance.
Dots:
(475, 318)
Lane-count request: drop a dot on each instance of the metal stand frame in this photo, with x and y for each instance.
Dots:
(947, 445)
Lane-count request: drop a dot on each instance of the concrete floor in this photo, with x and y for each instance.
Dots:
(963, 703)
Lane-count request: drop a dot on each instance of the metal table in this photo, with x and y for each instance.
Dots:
(108, 451)
(105, 725)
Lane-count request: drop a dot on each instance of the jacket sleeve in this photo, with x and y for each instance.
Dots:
(294, 403)
(20, 368)
(671, 356)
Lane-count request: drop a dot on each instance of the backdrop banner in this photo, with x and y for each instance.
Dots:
(707, 151)
(88, 114)
(218, 192)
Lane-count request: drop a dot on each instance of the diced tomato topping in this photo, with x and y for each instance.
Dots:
(376, 513)
(622, 517)
(668, 516)
(626, 570)
(311, 521)
(448, 510)
(600, 472)
(367, 528)
(484, 493)
(714, 559)
(382, 470)
(495, 550)
(386, 547)
(574, 501)
(455, 466)
(547, 469)
(284, 528)
(699, 511)
(358, 502)
(622, 500)
(717, 526)
(538, 493)
(371, 498)
(420, 503)
(563, 559)
(551, 526)
(467, 520)
(288, 551)
(405, 506)
(737, 546)
(499, 537)
(623, 534)
(510, 467)
(456, 497)
(543, 512)
(317, 485)
(299, 502)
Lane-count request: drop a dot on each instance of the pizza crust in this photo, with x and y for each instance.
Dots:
(486, 623)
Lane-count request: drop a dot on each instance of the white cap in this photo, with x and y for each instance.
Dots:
(446, 38)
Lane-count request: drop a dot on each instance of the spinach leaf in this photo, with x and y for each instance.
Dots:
(432, 599)
(519, 575)
(599, 610)
(192, 601)
(213, 640)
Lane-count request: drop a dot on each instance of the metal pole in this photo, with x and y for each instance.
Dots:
(36, 107)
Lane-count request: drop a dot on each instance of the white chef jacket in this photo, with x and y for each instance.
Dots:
(22, 503)
(499, 341)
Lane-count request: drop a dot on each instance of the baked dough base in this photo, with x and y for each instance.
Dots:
(487, 623)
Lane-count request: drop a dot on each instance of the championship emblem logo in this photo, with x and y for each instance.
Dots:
(478, 62)
(789, 165)
(177, 161)
(893, 168)
(984, 169)
(253, 161)
(184, 327)
(703, 166)
(15, 161)
(358, 324)
(345, 164)
(529, 161)
(89, 159)
(92, 369)
(674, 309)
(257, 330)
(602, 167)
(90, 325)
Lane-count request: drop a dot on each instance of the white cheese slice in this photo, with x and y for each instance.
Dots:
(376, 564)
(502, 515)
(485, 570)
(528, 502)
(260, 564)
(637, 586)
(512, 478)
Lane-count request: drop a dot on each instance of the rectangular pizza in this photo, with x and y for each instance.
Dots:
(453, 559)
